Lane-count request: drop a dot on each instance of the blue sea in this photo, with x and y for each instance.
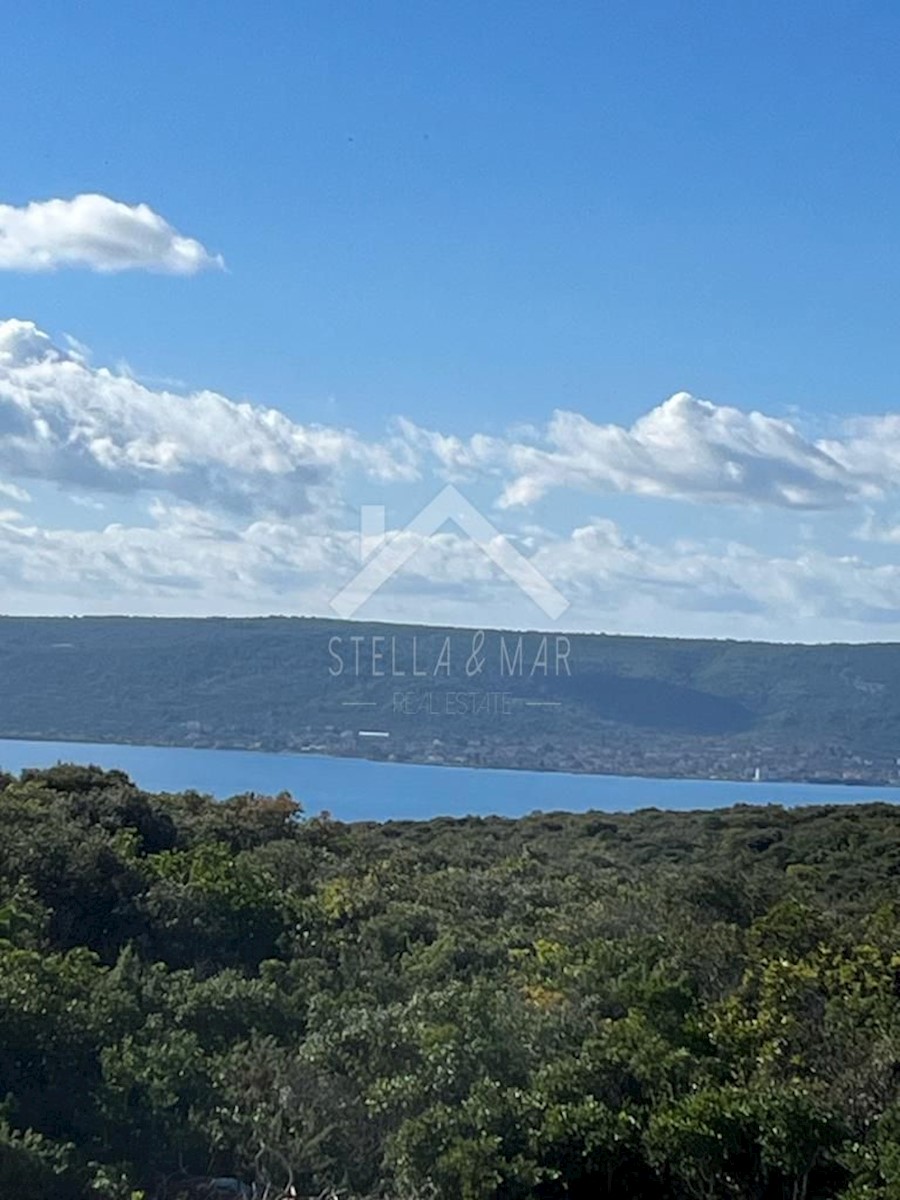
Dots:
(353, 789)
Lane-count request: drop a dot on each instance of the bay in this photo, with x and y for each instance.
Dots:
(354, 789)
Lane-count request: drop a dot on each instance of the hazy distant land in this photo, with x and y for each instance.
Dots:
(574, 702)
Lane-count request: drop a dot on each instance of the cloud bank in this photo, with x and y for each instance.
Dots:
(193, 503)
(188, 561)
(88, 428)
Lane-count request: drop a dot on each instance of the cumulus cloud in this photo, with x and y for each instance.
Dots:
(602, 566)
(685, 448)
(90, 428)
(183, 559)
(96, 232)
(869, 447)
(457, 458)
(234, 507)
(64, 419)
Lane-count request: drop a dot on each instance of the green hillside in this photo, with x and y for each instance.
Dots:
(588, 702)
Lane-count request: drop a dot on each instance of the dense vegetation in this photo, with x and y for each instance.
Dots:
(699, 1005)
(629, 705)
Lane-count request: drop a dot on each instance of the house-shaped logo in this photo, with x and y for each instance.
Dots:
(382, 556)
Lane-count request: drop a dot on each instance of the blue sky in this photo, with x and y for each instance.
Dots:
(469, 216)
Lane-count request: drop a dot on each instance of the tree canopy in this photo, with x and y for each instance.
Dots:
(658, 1005)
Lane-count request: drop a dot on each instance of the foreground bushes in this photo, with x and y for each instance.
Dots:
(658, 1005)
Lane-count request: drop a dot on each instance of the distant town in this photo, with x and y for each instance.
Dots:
(620, 753)
(597, 704)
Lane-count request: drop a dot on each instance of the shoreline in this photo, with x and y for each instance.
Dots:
(414, 761)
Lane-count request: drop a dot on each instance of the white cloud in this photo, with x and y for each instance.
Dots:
(685, 448)
(869, 448)
(22, 343)
(188, 559)
(65, 421)
(236, 508)
(96, 232)
(13, 492)
(457, 458)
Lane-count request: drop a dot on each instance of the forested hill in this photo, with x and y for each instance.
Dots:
(658, 1006)
(581, 702)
